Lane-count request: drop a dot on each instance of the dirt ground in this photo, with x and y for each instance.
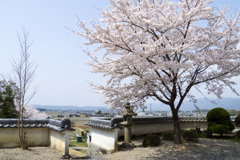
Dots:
(34, 153)
(212, 149)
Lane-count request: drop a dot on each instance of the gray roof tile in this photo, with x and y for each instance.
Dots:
(44, 123)
(107, 123)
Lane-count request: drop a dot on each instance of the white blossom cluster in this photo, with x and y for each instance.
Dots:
(161, 49)
(32, 113)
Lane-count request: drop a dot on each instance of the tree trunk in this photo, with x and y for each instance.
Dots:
(176, 125)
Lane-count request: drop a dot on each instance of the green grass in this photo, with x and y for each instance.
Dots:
(74, 143)
(236, 139)
(73, 138)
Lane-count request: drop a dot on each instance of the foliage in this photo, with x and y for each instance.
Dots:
(233, 112)
(207, 134)
(219, 121)
(236, 139)
(8, 95)
(151, 140)
(218, 115)
(201, 135)
(237, 120)
(168, 136)
(161, 50)
(238, 133)
(99, 112)
(82, 133)
(190, 135)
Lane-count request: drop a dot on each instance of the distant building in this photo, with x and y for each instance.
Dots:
(142, 114)
(77, 115)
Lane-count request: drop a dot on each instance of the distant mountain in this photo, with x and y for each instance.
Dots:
(50, 107)
(227, 103)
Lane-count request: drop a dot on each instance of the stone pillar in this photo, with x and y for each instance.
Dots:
(127, 124)
(127, 134)
(66, 147)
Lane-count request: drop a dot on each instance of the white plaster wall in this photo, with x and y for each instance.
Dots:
(57, 140)
(35, 137)
(193, 125)
(141, 129)
(106, 139)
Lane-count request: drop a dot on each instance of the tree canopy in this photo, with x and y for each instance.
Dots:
(8, 95)
(162, 49)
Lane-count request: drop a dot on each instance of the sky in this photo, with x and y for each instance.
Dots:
(62, 75)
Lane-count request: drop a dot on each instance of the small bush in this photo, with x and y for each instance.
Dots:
(159, 134)
(168, 136)
(219, 121)
(190, 135)
(151, 140)
(201, 135)
(207, 134)
(218, 115)
(238, 134)
(83, 134)
(237, 120)
(219, 128)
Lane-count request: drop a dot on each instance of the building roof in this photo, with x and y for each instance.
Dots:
(53, 124)
(108, 123)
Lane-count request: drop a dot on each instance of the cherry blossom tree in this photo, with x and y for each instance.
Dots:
(162, 49)
(33, 113)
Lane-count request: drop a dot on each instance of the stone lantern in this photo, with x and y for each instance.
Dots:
(127, 123)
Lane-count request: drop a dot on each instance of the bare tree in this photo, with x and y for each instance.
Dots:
(24, 71)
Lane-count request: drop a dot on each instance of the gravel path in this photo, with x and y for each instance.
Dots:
(34, 153)
(206, 149)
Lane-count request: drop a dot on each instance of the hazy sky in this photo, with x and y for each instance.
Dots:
(62, 73)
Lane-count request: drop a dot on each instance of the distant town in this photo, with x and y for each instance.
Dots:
(152, 109)
(106, 113)
(99, 113)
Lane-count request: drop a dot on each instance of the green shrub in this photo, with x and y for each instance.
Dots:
(168, 136)
(237, 120)
(238, 134)
(219, 128)
(83, 133)
(151, 140)
(218, 115)
(201, 135)
(190, 135)
(207, 134)
(219, 121)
